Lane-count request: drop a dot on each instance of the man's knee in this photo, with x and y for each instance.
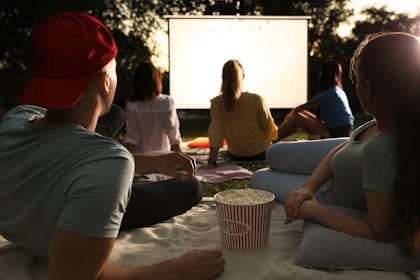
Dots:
(195, 190)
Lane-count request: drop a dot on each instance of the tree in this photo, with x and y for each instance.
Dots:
(133, 23)
(377, 20)
(380, 20)
(326, 16)
(19, 18)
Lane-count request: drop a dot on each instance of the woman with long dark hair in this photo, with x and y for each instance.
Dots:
(377, 170)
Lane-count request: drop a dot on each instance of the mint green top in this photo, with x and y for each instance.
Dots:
(362, 164)
(59, 175)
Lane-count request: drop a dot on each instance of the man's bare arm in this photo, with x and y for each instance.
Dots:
(74, 256)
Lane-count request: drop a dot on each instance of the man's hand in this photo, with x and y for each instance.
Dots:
(74, 256)
(175, 164)
(200, 264)
(294, 202)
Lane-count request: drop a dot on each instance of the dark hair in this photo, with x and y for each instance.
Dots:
(147, 82)
(330, 75)
(230, 83)
(391, 62)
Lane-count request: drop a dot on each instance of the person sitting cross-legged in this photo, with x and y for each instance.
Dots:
(336, 118)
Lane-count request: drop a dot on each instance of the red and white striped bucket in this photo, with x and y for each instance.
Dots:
(244, 224)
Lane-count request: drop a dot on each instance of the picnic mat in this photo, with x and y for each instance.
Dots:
(222, 173)
(226, 169)
(195, 229)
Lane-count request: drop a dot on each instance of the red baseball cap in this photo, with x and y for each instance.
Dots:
(67, 51)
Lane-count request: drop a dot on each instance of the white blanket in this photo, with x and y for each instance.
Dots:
(198, 229)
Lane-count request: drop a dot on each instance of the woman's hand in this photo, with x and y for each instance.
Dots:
(294, 201)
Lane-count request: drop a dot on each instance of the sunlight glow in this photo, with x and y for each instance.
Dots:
(160, 54)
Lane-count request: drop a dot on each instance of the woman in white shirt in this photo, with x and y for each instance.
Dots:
(152, 121)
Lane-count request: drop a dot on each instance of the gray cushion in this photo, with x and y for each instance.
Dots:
(322, 247)
(278, 183)
(300, 157)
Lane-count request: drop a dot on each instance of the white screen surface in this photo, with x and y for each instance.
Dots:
(272, 50)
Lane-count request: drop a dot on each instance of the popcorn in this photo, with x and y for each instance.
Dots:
(243, 197)
(244, 217)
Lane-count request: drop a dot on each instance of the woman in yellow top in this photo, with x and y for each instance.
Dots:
(242, 118)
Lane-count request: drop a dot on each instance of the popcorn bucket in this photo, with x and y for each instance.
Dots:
(244, 217)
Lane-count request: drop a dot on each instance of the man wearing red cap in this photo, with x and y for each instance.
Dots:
(65, 190)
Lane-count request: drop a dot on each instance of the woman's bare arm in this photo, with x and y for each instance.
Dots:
(319, 176)
(380, 224)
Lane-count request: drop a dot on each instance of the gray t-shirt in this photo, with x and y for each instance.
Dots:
(63, 176)
(361, 164)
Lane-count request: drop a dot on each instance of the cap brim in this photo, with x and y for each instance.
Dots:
(54, 94)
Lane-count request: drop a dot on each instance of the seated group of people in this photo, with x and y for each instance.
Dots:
(242, 119)
(67, 191)
(245, 121)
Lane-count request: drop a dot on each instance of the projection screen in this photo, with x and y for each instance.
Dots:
(272, 50)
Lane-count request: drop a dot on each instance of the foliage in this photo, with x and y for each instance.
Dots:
(19, 18)
(325, 16)
(380, 20)
(133, 23)
(376, 20)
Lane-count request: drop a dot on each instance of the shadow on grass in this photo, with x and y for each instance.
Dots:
(210, 189)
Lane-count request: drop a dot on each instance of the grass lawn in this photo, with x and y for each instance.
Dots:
(195, 127)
